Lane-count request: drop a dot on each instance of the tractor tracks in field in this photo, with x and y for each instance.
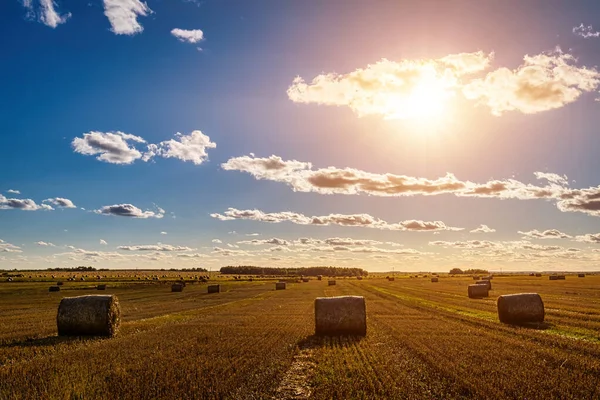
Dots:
(295, 384)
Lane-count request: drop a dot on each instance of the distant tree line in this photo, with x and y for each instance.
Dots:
(307, 271)
(458, 271)
(74, 269)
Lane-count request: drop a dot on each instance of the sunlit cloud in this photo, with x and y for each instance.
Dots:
(155, 247)
(547, 234)
(589, 238)
(13, 191)
(21, 204)
(188, 35)
(586, 32)
(45, 244)
(103, 242)
(6, 247)
(483, 229)
(123, 15)
(60, 202)
(357, 220)
(394, 90)
(129, 210)
(543, 82)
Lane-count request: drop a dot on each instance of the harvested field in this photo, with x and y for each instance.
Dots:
(424, 342)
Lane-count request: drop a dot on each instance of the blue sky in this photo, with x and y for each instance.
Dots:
(454, 96)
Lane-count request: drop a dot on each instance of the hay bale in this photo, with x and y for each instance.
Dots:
(59, 283)
(581, 275)
(538, 275)
(304, 280)
(343, 315)
(553, 277)
(487, 283)
(561, 277)
(475, 277)
(520, 308)
(97, 315)
(331, 283)
(360, 278)
(101, 287)
(391, 279)
(477, 291)
(214, 288)
(280, 285)
(177, 287)
(434, 279)
(54, 289)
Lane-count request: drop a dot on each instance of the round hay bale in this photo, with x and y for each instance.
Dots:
(561, 277)
(101, 287)
(60, 283)
(581, 275)
(96, 315)
(214, 288)
(553, 277)
(434, 280)
(331, 283)
(177, 287)
(477, 291)
(391, 279)
(538, 275)
(343, 315)
(304, 280)
(54, 289)
(319, 277)
(520, 308)
(487, 283)
(280, 285)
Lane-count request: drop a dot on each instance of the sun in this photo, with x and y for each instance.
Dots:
(426, 100)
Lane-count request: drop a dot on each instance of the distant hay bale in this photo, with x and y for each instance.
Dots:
(331, 283)
(343, 315)
(553, 277)
(214, 288)
(177, 287)
(391, 279)
(581, 275)
(538, 275)
(305, 280)
(520, 308)
(477, 291)
(475, 277)
(101, 287)
(54, 289)
(60, 283)
(359, 278)
(434, 279)
(486, 283)
(561, 277)
(280, 285)
(319, 277)
(97, 315)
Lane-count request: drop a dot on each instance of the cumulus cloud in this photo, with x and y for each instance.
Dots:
(110, 147)
(129, 210)
(273, 241)
(302, 177)
(229, 252)
(588, 238)
(404, 89)
(13, 191)
(21, 204)
(103, 242)
(45, 244)
(543, 82)
(218, 241)
(189, 36)
(585, 32)
(155, 247)
(45, 12)
(360, 220)
(123, 15)
(163, 233)
(117, 147)
(60, 202)
(547, 234)
(483, 229)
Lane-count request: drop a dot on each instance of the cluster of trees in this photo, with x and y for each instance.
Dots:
(308, 271)
(458, 271)
(81, 268)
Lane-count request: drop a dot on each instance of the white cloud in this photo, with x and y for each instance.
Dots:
(404, 89)
(273, 241)
(45, 12)
(585, 32)
(155, 247)
(45, 244)
(103, 242)
(483, 229)
(123, 15)
(163, 233)
(547, 234)
(217, 241)
(21, 204)
(13, 191)
(588, 238)
(110, 147)
(60, 202)
(360, 220)
(9, 248)
(189, 36)
(252, 234)
(116, 147)
(129, 210)
(543, 82)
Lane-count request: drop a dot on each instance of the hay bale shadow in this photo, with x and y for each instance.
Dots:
(50, 341)
(538, 326)
(317, 341)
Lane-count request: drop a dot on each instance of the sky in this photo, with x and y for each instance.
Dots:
(385, 135)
